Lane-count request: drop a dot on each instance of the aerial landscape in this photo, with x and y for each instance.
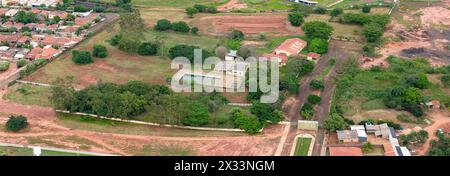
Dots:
(274, 77)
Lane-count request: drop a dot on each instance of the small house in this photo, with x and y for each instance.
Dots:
(346, 136)
(231, 55)
(235, 68)
(433, 104)
(313, 56)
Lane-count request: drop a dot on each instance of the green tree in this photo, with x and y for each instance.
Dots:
(163, 25)
(307, 111)
(320, 10)
(318, 29)
(372, 32)
(186, 51)
(335, 122)
(445, 79)
(318, 45)
(366, 9)
(132, 30)
(4, 65)
(250, 124)
(314, 99)
(81, 57)
(16, 123)
(316, 84)
(237, 35)
(201, 7)
(100, 51)
(412, 95)
(194, 30)
(418, 81)
(295, 18)
(336, 11)
(180, 26)
(148, 48)
(367, 147)
(191, 11)
(21, 63)
(25, 17)
(198, 115)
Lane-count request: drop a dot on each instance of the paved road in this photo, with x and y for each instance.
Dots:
(55, 149)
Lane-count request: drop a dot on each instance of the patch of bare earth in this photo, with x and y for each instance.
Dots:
(44, 130)
(232, 5)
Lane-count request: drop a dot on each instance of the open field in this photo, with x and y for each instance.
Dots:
(268, 4)
(302, 146)
(250, 24)
(345, 30)
(28, 94)
(173, 3)
(17, 151)
(380, 10)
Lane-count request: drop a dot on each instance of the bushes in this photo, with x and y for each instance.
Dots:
(419, 137)
(16, 123)
(186, 51)
(295, 18)
(180, 26)
(81, 57)
(100, 51)
(116, 39)
(163, 25)
(336, 12)
(335, 122)
(198, 115)
(317, 29)
(250, 124)
(316, 84)
(34, 65)
(4, 65)
(307, 111)
(320, 10)
(236, 35)
(194, 30)
(318, 45)
(21, 63)
(366, 9)
(190, 11)
(314, 99)
(373, 32)
(445, 79)
(148, 49)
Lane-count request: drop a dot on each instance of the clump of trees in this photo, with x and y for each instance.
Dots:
(16, 123)
(374, 25)
(318, 29)
(296, 18)
(414, 138)
(4, 65)
(81, 57)
(366, 8)
(187, 51)
(307, 111)
(131, 31)
(335, 122)
(200, 8)
(25, 17)
(316, 84)
(148, 49)
(440, 147)
(314, 99)
(99, 51)
(336, 11)
(294, 70)
(180, 26)
(318, 45)
(163, 25)
(21, 62)
(247, 122)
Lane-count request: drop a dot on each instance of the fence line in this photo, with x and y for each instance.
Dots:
(153, 124)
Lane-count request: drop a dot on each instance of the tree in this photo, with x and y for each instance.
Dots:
(4, 65)
(81, 57)
(367, 147)
(318, 45)
(132, 29)
(212, 9)
(337, 11)
(307, 111)
(180, 26)
(295, 18)
(316, 84)
(198, 115)
(445, 79)
(320, 10)
(194, 30)
(418, 81)
(21, 63)
(201, 7)
(237, 35)
(366, 8)
(70, 17)
(250, 124)
(116, 39)
(148, 49)
(318, 29)
(100, 51)
(16, 123)
(262, 111)
(221, 52)
(191, 11)
(163, 25)
(335, 122)
(81, 8)
(186, 51)
(314, 99)
(372, 32)
(412, 95)
(25, 17)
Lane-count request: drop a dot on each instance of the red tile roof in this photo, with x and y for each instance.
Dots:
(34, 52)
(291, 46)
(23, 39)
(313, 55)
(282, 58)
(47, 53)
(345, 151)
(388, 150)
(3, 11)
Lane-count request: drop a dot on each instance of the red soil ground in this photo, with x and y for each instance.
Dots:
(249, 25)
(231, 5)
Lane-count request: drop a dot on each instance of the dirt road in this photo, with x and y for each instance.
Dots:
(440, 118)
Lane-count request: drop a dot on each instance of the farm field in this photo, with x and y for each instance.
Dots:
(302, 146)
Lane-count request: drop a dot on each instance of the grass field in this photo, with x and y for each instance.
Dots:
(381, 10)
(268, 4)
(31, 95)
(173, 3)
(302, 146)
(345, 30)
(109, 126)
(18, 151)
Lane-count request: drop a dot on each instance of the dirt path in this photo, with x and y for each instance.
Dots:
(440, 119)
(232, 5)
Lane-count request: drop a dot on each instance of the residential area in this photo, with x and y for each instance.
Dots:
(133, 78)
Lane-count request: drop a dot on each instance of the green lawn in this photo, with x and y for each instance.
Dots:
(29, 94)
(18, 151)
(302, 146)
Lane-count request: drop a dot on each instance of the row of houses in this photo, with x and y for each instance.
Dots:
(359, 134)
(31, 3)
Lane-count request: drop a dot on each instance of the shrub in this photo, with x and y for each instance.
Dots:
(372, 32)
(194, 30)
(163, 25)
(148, 48)
(366, 9)
(318, 45)
(318, 29)
(232, 44)
(81, 57)
(191, 11)
(21, 63)
(212, 9)
(307, 111)
(4, 65)
(445, 79)
(249, 124)
(237, 35)
(316, 84)
(16, 123)
(262, 36)
(197, 115)
(186, 51)
(369, 50)
(314, 99)
(201, 7)
(335, 122)
(336, 12)
(181, 26)
(80, 8)
(367, 147)
(116, 39)
(320, 10)
(100, 51)
(295, 18)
